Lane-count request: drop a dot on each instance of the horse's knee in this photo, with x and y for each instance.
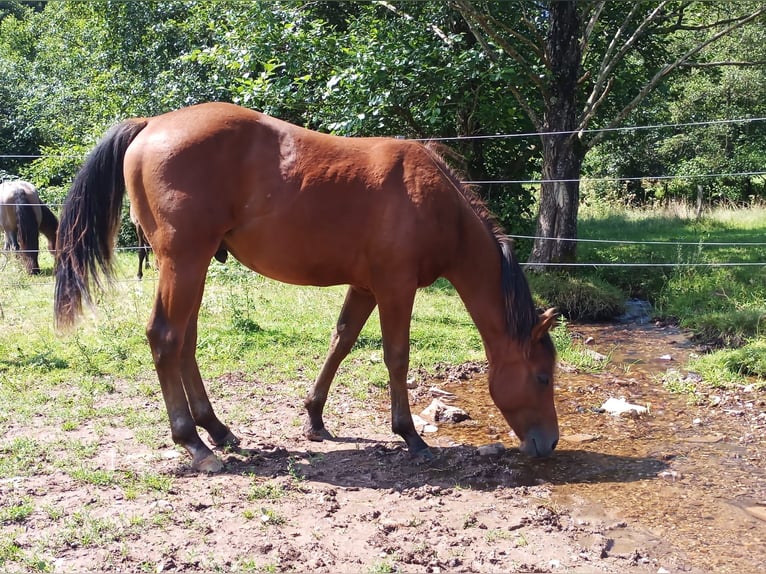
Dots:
(165, 343)
(397, 362)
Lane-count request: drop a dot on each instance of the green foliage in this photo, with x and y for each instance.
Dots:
(729, 366)
(578, 297)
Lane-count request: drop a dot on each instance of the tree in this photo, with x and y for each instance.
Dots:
(590, 64)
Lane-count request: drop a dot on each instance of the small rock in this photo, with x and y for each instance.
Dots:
(412, 384)
(697, 422)
(589, 340)
(493, 449)
(437, 411)
(423, 426)
(620, 406)
(595, 355)
(437, 392)
(666, 358)
(662, 570)
(671, 475)
(758, 512)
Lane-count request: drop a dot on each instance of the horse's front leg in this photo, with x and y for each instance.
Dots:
(353, 315)
(179, 294)
(395, 316)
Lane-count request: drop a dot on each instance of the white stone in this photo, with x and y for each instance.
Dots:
(620, 406)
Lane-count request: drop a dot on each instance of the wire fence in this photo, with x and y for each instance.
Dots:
(595, 264)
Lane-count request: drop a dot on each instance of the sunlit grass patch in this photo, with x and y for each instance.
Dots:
(726, 367)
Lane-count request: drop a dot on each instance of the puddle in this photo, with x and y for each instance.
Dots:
(689, 479)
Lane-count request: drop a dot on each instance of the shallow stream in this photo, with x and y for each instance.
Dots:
(688, 478)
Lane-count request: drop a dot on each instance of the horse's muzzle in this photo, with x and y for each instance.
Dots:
(538, 443)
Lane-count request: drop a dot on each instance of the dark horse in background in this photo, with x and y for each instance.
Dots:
(23, 217)
(383, 216)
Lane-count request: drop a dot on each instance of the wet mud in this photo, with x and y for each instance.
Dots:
(688, 476)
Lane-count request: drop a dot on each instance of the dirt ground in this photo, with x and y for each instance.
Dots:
(351, 505)
(359, 503)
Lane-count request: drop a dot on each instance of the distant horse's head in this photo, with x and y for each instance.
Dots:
(521, 385)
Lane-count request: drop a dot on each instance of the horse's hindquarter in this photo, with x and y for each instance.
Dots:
(292, 204)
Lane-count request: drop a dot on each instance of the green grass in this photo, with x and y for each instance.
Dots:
(722, 306)
(279, 333)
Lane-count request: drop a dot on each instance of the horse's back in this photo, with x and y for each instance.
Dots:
(291, 203)
(13, 194)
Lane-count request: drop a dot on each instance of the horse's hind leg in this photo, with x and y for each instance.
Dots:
(199, 403)
(354, 314)
(179, 294)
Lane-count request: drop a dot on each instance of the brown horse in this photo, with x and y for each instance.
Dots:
(384, 216)
(23, 217)
(144, 248)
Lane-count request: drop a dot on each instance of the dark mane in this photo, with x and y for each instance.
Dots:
(520, 313)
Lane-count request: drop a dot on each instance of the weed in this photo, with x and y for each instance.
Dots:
(521, 540)
(16, 510)
(271, 517)
(382, 567)
(94, 476)
(265, 491)
(9, 549)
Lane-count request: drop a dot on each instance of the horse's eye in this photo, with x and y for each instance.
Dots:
(543, 379)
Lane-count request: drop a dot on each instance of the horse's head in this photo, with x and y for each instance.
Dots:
(521, 385)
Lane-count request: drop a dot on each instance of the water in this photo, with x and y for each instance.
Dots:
(681, 476)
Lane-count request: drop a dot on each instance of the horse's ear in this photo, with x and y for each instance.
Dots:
(547, 319)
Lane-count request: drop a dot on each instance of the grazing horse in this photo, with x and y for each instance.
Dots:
(23, 217)
(143, 246)
(384, 216)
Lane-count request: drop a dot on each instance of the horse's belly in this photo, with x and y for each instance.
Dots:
(300, 260)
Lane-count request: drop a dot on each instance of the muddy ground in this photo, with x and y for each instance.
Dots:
(620, 495)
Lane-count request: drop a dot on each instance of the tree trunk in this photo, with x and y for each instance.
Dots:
(559, 201)
(563, 153)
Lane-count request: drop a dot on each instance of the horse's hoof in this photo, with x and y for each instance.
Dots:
(210, 464)
(229, 441)
(422, 455)
(316, 435)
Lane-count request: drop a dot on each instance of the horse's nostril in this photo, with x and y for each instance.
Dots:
(555, 442)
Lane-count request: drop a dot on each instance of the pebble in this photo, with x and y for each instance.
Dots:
(437, 411)
(757, 511)
(422, 425)
(493, 449)
(620, 406)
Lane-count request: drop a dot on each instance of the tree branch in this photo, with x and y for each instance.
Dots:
(436, 30)
(667, 69)
(475, 19)
(721, 64)
(588, 32)
(613, 56)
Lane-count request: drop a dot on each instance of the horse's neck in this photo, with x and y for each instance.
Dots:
(476, 275)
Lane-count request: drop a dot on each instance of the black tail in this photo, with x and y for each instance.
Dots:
(28, 234)
(89, 221)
